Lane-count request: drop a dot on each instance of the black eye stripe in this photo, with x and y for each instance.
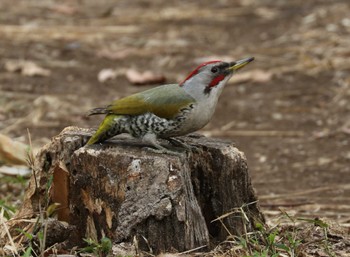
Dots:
(219, 67)
(224, 65)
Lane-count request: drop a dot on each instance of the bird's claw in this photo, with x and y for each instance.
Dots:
(178, 142)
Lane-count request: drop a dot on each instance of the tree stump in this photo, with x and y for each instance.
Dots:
(123, 191)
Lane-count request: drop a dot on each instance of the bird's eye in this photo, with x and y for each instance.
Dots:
(214, 70)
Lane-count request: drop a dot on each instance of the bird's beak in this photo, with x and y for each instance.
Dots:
(239, 64)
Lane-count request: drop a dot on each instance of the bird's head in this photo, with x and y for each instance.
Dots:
(212, 76)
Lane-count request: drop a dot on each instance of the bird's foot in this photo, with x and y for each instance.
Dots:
(180, 143)
(152, 139)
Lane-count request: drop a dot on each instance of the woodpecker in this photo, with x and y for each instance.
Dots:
(169, 110)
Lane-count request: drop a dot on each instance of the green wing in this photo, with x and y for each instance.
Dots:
(164, 101)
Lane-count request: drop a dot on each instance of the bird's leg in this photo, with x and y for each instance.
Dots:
(152, 139)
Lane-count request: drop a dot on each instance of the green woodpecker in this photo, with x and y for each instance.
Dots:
(169, 110)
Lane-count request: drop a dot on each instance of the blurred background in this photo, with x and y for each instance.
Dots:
(288, 110)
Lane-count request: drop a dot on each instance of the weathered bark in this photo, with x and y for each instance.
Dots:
(121, 190)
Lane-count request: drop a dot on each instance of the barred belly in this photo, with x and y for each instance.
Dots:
(148, 123)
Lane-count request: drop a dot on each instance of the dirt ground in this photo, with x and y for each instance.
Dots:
(288, 110)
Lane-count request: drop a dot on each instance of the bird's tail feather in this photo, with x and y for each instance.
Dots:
(97, 111)
(106, 130)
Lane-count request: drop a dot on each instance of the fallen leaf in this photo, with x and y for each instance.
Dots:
(15, 171)
(345, 129)
(106, 74)
(266, 13)
(144, 78)
(12, 152)
(26, 68)
(46, 111)
(31, 69)
(60, 190)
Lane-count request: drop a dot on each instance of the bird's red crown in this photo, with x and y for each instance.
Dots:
(195, 71)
